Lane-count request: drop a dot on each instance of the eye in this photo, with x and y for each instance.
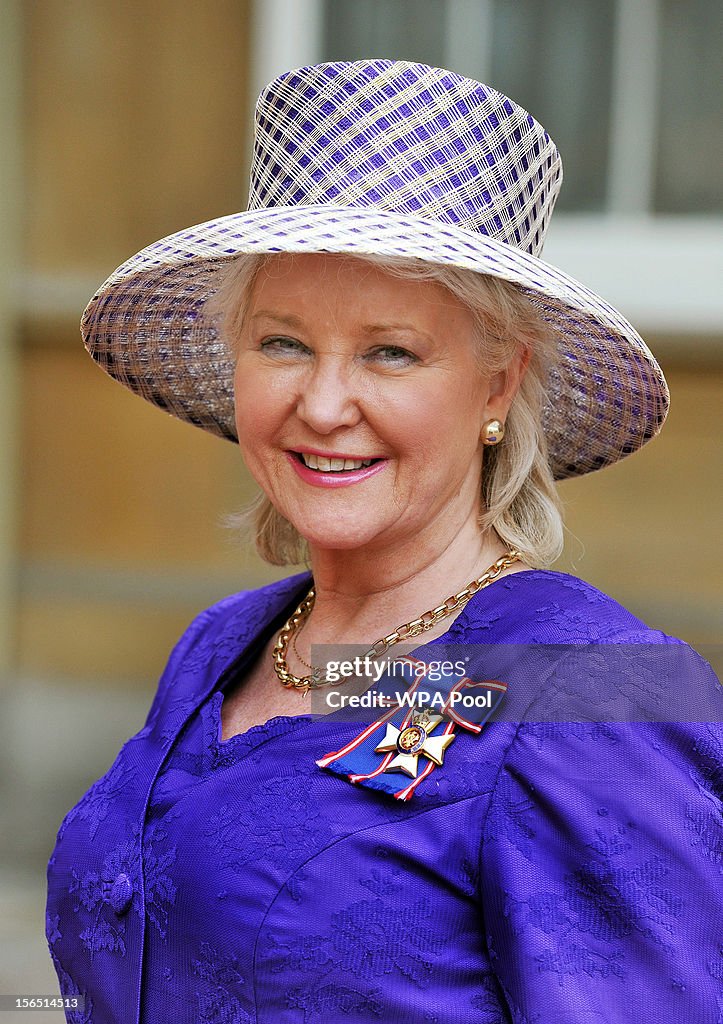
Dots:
(282, 346)
(393, 355)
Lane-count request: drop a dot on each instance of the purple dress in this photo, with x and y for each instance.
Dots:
(548, 871)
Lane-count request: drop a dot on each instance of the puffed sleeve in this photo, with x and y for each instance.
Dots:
(602, 871)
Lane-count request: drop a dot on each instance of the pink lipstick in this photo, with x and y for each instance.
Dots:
(333, 478)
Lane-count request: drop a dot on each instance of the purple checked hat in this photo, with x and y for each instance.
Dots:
(388, 158)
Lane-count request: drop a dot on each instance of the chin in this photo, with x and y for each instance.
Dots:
(339, 536)
(335, 541)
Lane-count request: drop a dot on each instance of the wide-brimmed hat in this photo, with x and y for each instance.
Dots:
(388, 158)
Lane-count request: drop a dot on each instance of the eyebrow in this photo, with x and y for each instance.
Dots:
(289, 319)
(389, 328)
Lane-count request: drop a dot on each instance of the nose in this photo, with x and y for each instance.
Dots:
(328, 398)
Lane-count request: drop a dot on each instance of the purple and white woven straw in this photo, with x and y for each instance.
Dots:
(386, 158)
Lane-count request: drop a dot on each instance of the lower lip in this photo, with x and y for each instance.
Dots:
(339, 479)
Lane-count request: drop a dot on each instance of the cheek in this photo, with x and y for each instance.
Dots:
(247, 405)
(258, 403)
(252, 425)
(450, 417)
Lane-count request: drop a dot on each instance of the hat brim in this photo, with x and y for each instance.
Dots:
(148, 329)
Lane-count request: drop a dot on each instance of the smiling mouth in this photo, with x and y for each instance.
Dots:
(332, 465)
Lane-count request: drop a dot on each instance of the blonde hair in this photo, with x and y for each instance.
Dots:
(518, 498)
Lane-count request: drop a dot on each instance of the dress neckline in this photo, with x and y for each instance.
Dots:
(257, 734)
(242, 743)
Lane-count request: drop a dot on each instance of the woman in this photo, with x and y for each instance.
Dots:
(409, 379)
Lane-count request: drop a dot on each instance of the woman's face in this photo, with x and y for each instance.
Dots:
(360, 400)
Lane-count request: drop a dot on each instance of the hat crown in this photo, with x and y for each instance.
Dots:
(409, 139)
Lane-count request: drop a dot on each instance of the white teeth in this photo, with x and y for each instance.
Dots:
(325, 465)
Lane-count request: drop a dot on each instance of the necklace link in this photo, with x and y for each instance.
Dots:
(426, 621)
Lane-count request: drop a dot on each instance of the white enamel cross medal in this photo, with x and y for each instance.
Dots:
(414, 739)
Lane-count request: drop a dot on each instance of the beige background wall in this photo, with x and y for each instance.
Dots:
(136, 123)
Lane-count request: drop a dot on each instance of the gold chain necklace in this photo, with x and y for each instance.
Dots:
(406, 631)
(295, 649)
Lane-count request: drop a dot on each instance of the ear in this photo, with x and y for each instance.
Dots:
(505, 384)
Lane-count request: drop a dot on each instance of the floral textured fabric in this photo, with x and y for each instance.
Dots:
(565, 871)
